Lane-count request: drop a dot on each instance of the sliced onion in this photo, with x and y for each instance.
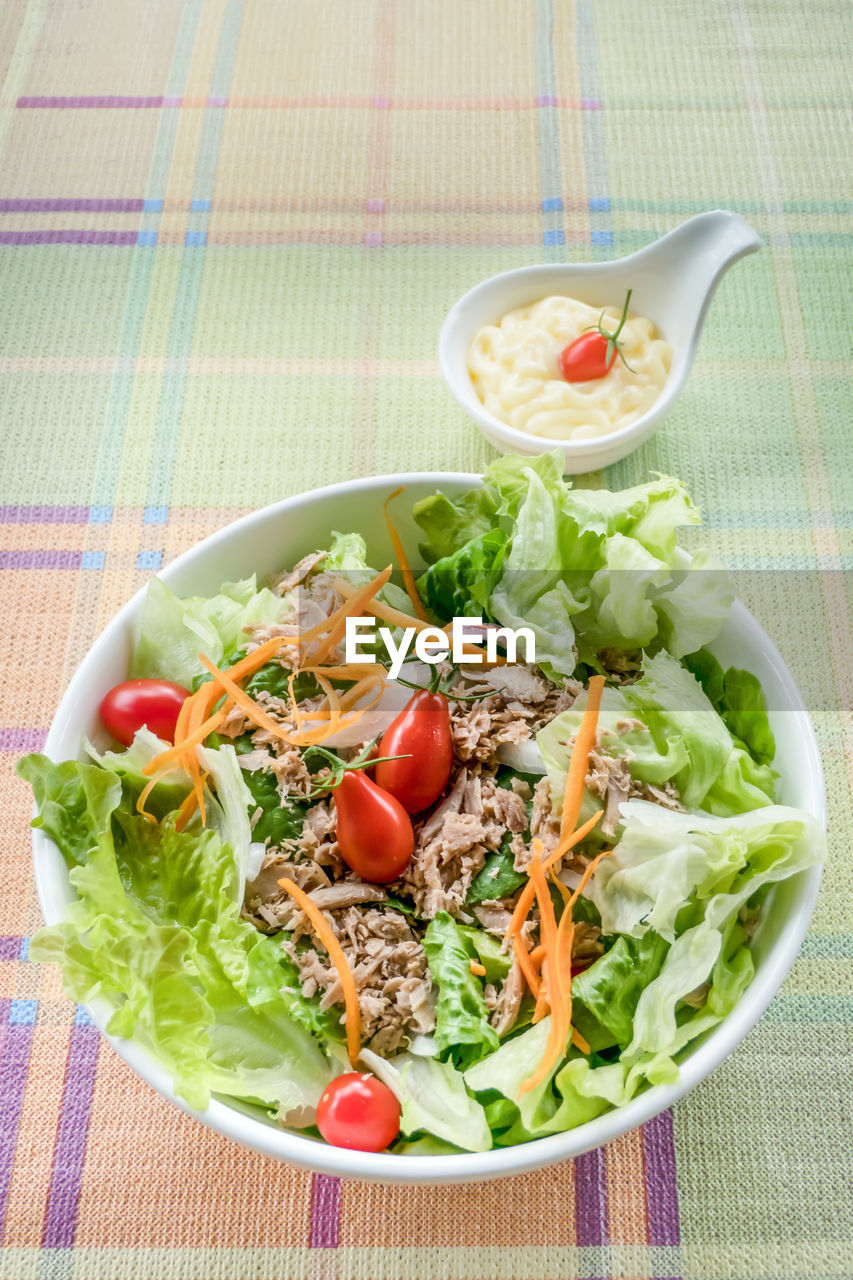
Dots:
(524, 757)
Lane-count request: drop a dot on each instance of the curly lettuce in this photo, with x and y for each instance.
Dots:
(588, 570)
(156, 928)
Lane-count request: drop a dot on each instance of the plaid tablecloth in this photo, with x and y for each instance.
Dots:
(229, 232)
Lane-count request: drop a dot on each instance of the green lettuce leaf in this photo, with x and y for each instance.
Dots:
(128, 765)
(461, 1019)
(460, 585)
(610, 988)
(667, 862)
(156, 929)
(587, 570)
(520, 1115)
(280, 819)
(433, 1100)
(739, 698)
(670, 732)
(173, 630)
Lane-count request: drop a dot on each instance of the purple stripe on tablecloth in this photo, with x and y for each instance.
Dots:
(64, 1192)
(71, 204)
(44, 515)
(661, 1181)
(22, 739)
(591, 1198)
(15, 1044)
(69, 237)
(325, 1212)
(10, 947)
(40, 559)
(92, 100)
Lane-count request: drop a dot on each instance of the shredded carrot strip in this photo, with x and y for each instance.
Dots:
(259, 717)
(347, 671)
(537, 955)
(295, 714)
(579, 1042)
(476, 968)
(542, 999)
(258, 657)
(146, 792)
(525, 901)
(246, 704)
(587, 876)
(330, 942)
(174, 754)
(334, 700)
(360, 690)
(579, 763)
(348, 700)
(183, 718)
(564, 892)
(560, 1024)
(196, 719)
(402, 560)
(334, 626)
(186, 811)
(525, 964)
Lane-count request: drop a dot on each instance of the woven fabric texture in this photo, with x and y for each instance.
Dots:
(229, 233)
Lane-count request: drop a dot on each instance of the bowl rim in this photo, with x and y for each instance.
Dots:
(462, 389)
(309, 1153)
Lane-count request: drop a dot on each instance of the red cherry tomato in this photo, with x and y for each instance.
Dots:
(421, 734)
(358, 1111)
(155, 703)
(586, 357)
(374, 831)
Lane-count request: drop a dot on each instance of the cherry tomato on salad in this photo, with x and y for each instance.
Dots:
(374, 832)
(134, 703)
(421, 736)
(358, 1111)
(594, 353)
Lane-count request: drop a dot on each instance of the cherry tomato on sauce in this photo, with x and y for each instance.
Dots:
(421, 735)
(586, 358)
(134, 703)
(593, 354)
(374, 832)
(358, 1111)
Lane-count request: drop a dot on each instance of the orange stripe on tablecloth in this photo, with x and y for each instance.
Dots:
(178, 1185)
(522, 1211)
(626, 1189)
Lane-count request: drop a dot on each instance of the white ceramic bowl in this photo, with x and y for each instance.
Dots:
(277, 536)
(673, 281)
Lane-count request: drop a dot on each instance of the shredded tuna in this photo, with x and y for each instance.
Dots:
(610, 778)
(508, 1000)
(587, 945)
(522, 702)
(544, 822)
(451, 846)
(390, 970)
(300, 571)
(622, 668)
(318, 840)
(494, 914)
(266, 904)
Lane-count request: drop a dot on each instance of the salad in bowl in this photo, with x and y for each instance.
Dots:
(436, 903)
